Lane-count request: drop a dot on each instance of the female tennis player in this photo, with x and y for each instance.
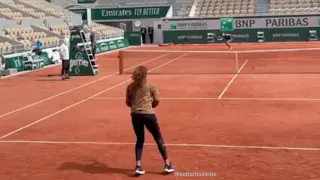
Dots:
(227, 39)
(142, 97)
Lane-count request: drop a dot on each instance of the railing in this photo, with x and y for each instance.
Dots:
(245, 16)
(21, 48)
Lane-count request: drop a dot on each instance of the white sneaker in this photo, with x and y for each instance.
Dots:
(140, 170)
(169, 168)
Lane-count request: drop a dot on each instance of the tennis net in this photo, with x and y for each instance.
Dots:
(278, 61)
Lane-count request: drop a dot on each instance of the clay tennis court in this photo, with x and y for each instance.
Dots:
(254, 119)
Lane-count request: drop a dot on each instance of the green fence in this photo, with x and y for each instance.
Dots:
(110, 45)
(134, 38)
(27, 61)
(242, 35)
(244, 29)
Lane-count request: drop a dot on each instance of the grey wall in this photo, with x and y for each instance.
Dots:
(129, 25)
(29, 22)
(76, 19)
(131, 22)
(157, 33)
(144, 22)
(4, 23)
(55, 21)
(157, 38)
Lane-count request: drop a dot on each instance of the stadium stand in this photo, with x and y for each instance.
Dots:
(220, 8)
(19, 37)
(47, 10)
(106, 31)
(183, 8)
(49, 39)
(23, 22)
(2, 16)
(31, 9)
(28, 35)
(54, 27)
(116, 3)
(294, 6)
(7, 44)
(61, 29)
(13, 12)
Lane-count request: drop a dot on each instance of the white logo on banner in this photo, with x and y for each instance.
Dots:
(78, 61)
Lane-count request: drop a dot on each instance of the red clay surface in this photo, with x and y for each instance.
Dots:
(278, 61)
(74, 162)
(39, 108)
(228, 123)
(196, 86)
(276, 86)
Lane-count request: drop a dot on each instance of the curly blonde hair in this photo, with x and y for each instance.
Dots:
(139, 75)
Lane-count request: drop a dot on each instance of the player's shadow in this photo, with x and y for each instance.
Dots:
(48, 80)
(49, 77)
(99, 168)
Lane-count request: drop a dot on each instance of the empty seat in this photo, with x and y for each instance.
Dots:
(219, 8)
(293, 6)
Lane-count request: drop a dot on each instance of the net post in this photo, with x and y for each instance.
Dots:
(121, 56)
(237, 62)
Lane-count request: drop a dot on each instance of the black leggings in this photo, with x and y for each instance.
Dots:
(65, 67)
(150, 121)
(94, 51)
(37, 51)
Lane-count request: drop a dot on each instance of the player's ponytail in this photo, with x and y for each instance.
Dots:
(139, 77)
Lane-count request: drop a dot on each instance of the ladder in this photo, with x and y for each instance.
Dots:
(82, 62)
(0, 66)
(88, 49)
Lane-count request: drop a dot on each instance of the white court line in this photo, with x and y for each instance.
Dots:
(169, 144)
(168, 62)
(84, 100)
(161, 98)
(314, 58)
(83, 85)
(213, 98)
(234, 77)
(26, 72)
(270, 99)
(53, 65)
(98, 98)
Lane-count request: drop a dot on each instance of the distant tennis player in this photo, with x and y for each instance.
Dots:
(142, 97)
(227, 39)
(64, 55)
(93, 44)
